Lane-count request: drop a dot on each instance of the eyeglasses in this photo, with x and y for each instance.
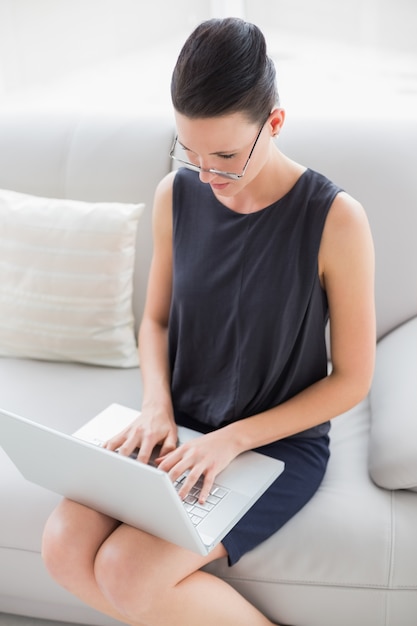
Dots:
(197, 168)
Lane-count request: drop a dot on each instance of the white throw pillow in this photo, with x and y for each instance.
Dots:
(66, 279)
(393, 437)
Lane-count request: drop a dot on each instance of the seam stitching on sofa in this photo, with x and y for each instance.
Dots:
(391, 556)
(67, 142)
(282, 581)
(17, 549)
(324, 583)
(72, 135)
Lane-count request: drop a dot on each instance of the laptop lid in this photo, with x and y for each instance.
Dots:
(125, 489)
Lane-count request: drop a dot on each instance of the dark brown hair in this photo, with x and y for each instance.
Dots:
(223, 68)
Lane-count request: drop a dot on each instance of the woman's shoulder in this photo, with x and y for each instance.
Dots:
(162, 207)
(165, 185)
(346, 214)
(347, 236)
(175, 180)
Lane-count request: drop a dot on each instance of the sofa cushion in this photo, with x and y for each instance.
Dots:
(66, 279)
(393, 439)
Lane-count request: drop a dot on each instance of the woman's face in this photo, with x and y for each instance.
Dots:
(224, 144)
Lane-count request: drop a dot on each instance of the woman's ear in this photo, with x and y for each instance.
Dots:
(276, 121)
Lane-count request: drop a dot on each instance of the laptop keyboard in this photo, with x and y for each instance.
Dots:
(196, 511)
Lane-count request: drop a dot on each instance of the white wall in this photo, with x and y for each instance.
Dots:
(384, 24)
(332, 55)
(41, 41)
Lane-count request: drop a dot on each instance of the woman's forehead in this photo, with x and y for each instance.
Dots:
(215, 134)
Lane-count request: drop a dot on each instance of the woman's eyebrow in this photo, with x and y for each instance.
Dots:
(183, 146)
(218, 153)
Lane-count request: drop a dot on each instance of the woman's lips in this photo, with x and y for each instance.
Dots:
(219, 186)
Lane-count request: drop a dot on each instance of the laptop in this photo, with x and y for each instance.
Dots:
(79, 468)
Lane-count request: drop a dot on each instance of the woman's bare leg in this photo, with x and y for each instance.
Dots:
(157, 583)
(136, 577)
(72, 536)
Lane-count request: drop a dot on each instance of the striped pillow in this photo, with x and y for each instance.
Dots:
(66, 279)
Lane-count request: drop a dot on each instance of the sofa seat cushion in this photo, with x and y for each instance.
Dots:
(66, 279)
(393, 438)
(343, 542)
(65, 395)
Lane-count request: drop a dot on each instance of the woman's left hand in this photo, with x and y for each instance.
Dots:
(202, 456)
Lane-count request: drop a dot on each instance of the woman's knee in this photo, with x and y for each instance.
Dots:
(125, 578)
(71, 538)
(56, 543)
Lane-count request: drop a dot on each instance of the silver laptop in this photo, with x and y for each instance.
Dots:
(143, 496)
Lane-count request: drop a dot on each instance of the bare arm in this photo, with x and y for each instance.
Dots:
(156, 423)
(153, 332)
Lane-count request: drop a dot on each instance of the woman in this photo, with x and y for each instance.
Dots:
(252, 253)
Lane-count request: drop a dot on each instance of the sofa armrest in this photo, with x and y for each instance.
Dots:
(393, 437)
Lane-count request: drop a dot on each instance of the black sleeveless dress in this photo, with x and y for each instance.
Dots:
(246, 328)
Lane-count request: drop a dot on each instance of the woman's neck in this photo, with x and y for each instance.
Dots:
(273, 182)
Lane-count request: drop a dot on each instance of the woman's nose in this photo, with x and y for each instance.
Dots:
(206, 176)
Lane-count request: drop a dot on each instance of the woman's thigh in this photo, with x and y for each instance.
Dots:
(72, 536)
(129, 554)
(77, 537)
(139, 573)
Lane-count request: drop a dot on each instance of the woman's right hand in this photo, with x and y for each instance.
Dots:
(153, 426)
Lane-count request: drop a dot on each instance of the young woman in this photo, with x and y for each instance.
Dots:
(252, 253)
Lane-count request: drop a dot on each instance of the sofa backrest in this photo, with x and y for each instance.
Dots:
(374, 160)
(93, 158)
(122, 158)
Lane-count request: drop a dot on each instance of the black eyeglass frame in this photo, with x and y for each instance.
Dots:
(230, 175)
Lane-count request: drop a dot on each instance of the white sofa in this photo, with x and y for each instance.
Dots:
(350, 556)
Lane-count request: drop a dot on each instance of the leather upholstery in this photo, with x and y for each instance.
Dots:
(349, 557)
